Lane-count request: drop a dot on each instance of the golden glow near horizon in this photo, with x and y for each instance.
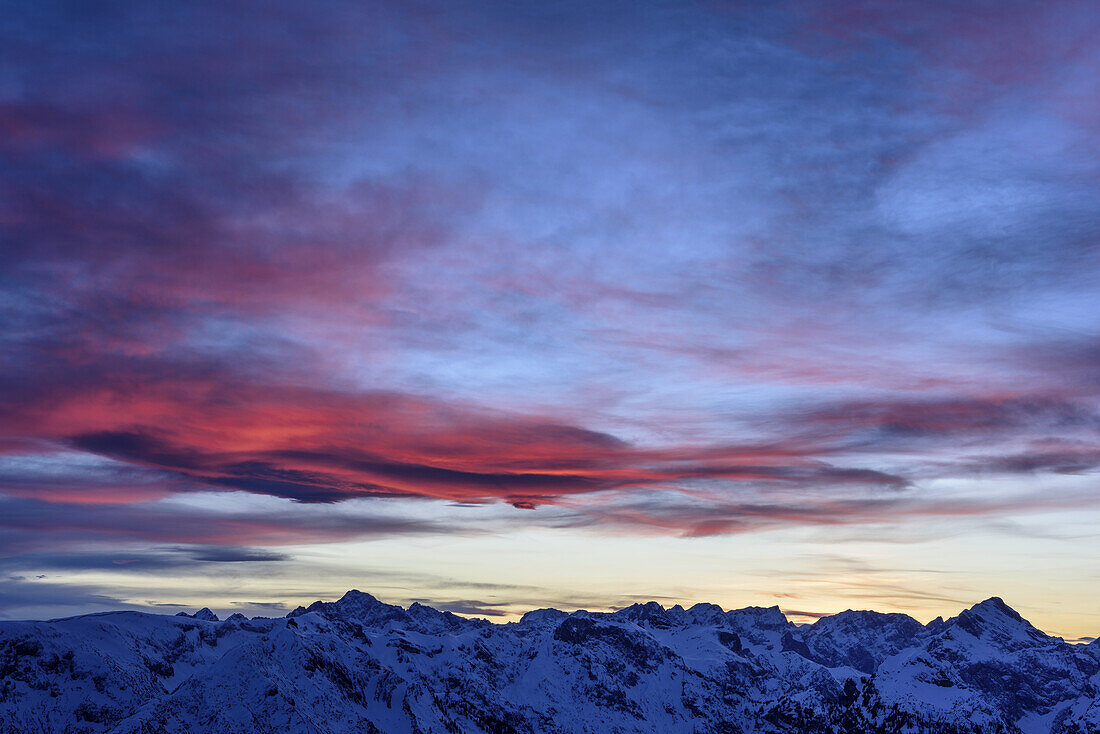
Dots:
(804, 571)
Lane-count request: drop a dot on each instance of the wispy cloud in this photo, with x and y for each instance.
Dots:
(726, 268)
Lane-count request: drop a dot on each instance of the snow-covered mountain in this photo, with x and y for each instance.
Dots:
(359, 665)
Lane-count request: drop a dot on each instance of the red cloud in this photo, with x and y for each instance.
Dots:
(218, 430)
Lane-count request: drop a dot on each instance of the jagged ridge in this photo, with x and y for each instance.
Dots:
(360, 665)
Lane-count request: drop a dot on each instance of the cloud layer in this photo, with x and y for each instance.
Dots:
(705, 269)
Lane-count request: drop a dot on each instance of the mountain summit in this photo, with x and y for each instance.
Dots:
(361, 665)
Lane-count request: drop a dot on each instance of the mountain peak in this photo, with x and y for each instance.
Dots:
(852, 620)
(861, 639)
(357, 605)
(357, 597)
(996, 605)
(651, 613)
(994, 620)
(206, 615)
(704, 612)
(765, 617)
(543, 616)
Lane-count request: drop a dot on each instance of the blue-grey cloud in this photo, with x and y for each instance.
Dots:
(539, 255)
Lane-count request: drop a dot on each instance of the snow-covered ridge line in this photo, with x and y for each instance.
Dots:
(360, 665)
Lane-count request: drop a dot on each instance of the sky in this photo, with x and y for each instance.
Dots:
(498, 306)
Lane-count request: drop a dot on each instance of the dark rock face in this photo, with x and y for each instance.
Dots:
(793, 644)
(861, 640)
(360, 665)
(638, 649)
(729, 640)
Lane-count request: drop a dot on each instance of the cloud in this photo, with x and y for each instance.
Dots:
(1069, 461)
(235, 555)
(716, 513)
(805, 615)
(472, 607)
(967, 416)
(175, 427)
(772, 263)
(209, 427)
(212, 534)
(1075, 359)
(22, 599)
(267, 605)
(80, 560)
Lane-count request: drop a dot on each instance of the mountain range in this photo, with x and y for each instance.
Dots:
(360, 665)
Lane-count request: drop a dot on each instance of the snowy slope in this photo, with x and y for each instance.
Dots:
(359, 665)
